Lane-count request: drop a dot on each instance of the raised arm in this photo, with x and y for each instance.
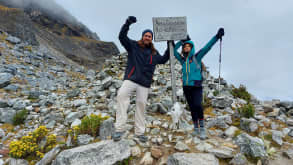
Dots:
(123, 38)
(202, 52)
(176, 54)
(163, 59)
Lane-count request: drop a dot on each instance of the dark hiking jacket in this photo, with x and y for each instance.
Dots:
(141, 63)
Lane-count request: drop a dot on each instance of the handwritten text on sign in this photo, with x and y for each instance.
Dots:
(169, 28)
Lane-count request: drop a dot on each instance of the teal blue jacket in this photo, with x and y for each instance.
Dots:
(191, 71)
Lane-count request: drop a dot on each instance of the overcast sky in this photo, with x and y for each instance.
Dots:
(257, 46)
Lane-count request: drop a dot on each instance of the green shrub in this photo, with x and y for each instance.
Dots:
(19, 117)
(247, 110)
(241, 93)
(91, 124)
(29, 147)
(126, 161)
(216, 93)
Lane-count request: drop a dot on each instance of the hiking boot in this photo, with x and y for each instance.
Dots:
(195, 132)
(117, 136)
(142, 138)
(202, 134)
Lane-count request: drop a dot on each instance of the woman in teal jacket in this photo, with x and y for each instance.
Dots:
(192, 78)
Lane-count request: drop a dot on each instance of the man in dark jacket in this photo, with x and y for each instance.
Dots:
(141, 62)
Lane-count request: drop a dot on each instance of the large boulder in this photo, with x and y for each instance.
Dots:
(252, 146)
(221, 102)
(192, 159)
(103, 153)
(106, 128)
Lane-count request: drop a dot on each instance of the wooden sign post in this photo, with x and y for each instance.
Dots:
(170, 29)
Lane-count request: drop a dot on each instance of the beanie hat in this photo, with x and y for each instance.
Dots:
(147, 30)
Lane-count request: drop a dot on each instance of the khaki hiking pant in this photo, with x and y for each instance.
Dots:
(123, 98)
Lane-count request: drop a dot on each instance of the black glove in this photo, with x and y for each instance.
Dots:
(187, 39)
(130, 20)
(220, 33)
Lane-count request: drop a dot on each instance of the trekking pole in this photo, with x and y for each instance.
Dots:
(220, 60)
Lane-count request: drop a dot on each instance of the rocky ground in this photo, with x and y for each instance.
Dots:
(59, 95)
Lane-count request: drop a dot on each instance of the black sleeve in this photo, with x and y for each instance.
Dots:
(163, 59)
(123, 38)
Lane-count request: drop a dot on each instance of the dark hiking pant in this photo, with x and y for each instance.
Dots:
(193, 96)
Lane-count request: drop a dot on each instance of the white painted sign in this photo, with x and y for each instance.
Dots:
(169, 28)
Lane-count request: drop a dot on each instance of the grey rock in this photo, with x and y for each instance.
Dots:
(192, 159)
(103, 153)
(221, 153)
(13, 161)
(158, 107)
(34, 94)
(184, 125)
(51, 124)
(165, 125)
(290, 112)
(167, 102)
(12, 88)
(6, 115)
(249, 125)
(203, 146)
(147, 159)
(286, 104)
(79, 102)
(252, 146)
(72, 116)
(221, 102)
(288, 153)
(69, 141)
(268, 108)
(230, 131)
(106, 83)
(291, 133)
(76, 122)
(180, 146)
(274, 126)
(196, 140)
(19, 105)
(220, 122)
(135, 151)
(84, 139)
(277, 137)
(3, 104)
(49, 157)
(275, 113)
(155, 131)
(239, 159)
(106, 129)
(2, 133)
(57, 69)
(13, 40)
(5, 79)
(285, 131)
(73, 93)
(289, 121)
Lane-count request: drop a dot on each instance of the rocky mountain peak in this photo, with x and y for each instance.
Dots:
(45, 23)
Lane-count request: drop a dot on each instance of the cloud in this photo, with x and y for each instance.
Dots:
(256, 48)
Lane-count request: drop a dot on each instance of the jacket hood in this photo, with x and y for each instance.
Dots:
(192, 51)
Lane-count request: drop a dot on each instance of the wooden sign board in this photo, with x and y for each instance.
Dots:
(169, 28)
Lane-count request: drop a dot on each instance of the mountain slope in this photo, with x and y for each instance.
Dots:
(45, 23)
